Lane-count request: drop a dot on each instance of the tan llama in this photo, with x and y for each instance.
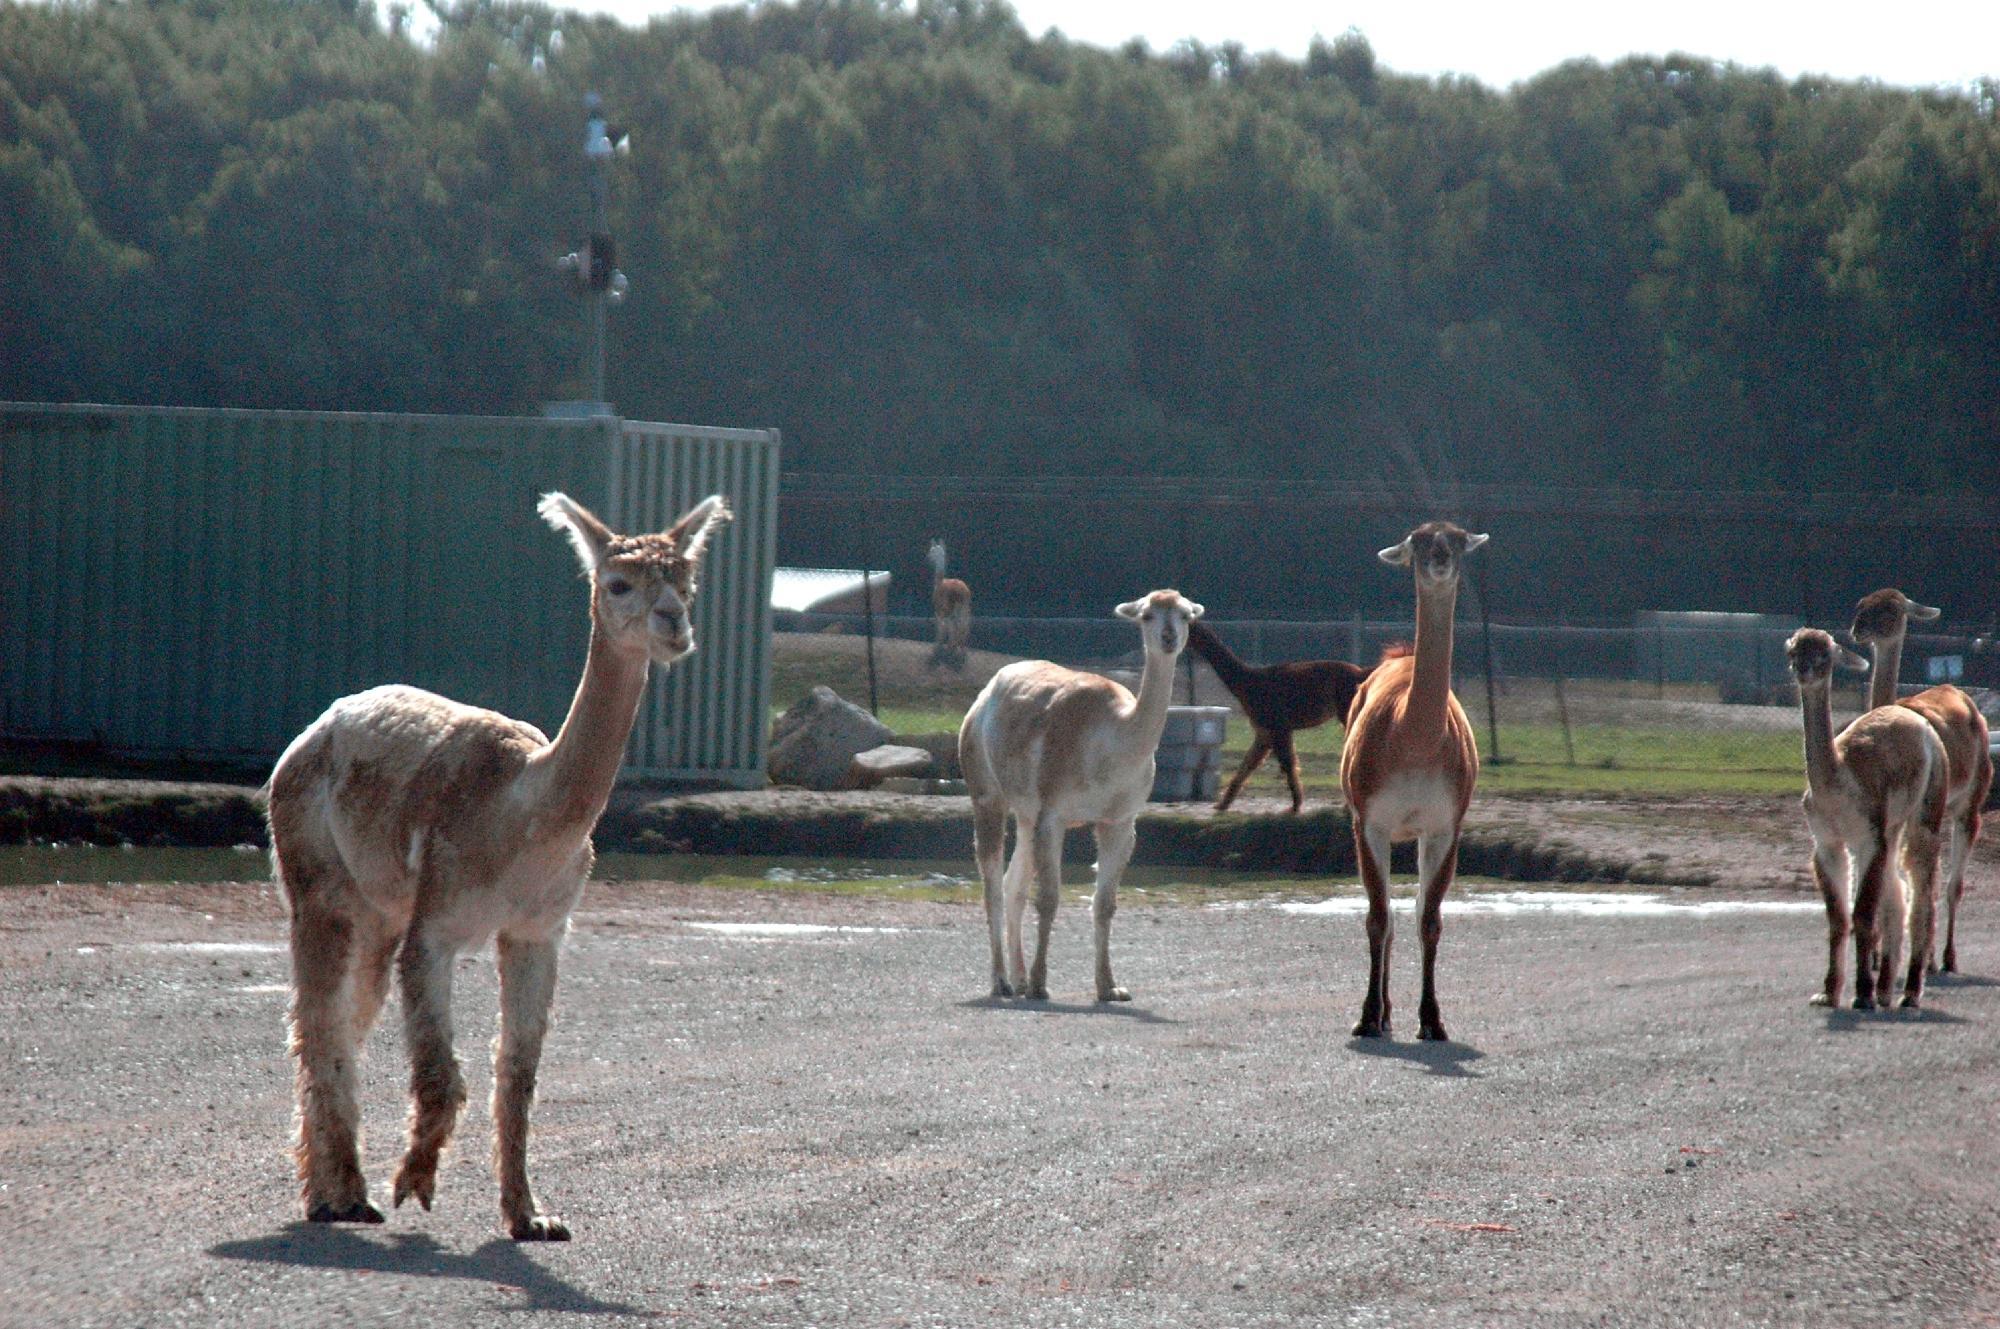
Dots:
(407, 828)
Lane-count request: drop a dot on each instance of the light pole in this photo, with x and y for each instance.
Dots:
(594, 268)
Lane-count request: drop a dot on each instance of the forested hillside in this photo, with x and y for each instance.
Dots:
(921, 240)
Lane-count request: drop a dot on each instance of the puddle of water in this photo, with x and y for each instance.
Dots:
(98, 865)
(1585, 904)
(767, 930)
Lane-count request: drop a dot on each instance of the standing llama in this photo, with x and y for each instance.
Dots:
(1408, 769)
(1880, 620)
(1278, 700)
(1879, 784)
(410, 827)
(951, 608)
(1058, 748)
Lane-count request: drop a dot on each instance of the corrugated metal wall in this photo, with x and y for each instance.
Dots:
(204, 582)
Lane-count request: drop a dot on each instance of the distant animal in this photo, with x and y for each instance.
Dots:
(1057, 748)
(951, 611)
(1877, 788)
(1408, 768)
(1278, 700)
(407, 828)
(1880, 621)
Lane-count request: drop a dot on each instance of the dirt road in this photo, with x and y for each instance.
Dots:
(811, 1114)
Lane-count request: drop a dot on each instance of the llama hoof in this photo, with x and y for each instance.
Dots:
(418, 1182)
(1823, 999)
(1911, 1004)
(1115, 994)
(1864, 1003)
(1036, 993)
(361, 1211)
(538, 1227)
(1434, 1033)
(1950, 965)
(1371, 1029)
(1002, 988)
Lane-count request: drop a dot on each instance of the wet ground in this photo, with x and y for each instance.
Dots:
(788, 1102)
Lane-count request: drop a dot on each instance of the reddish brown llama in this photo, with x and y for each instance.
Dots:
(1408, 769)
(1880, 621)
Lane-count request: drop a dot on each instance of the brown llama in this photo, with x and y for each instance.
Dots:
(1408, 768)
(951, 611)
(1278, 700)
(407, 828)
(1880, 621)
(1879, 784)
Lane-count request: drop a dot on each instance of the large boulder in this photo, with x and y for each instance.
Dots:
(813, 745)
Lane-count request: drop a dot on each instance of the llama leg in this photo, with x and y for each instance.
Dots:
(1288, 762)
(1892, 914)
(1963, 831)
(332, 1188)
(1114, 850)
(1020, 878)
(1437, 862)
(1870, 863)
(1048, 838)
(437, 1089)
(989, 844)
(375, 954)
(1260, 747)
(1920, 865)
(527, 988)
(1371, 847)
(1829, 868)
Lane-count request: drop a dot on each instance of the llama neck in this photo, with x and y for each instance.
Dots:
(1156, 690)
(1430, 686)
(1231, 670)
(580, 767)
(1888, 653)
(1816, 707)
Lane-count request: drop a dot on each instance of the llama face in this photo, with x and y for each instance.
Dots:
(643, 586)
(1884, 615)
(643, 594)
(1435, 549)
(1162, 617)
(1813, 655)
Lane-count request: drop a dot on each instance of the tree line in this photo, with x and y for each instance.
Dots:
(924, 241)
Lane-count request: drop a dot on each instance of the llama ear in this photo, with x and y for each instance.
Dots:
(587, 535)
(1847, 659)
(1396, 556)
(1922, 613)
(1473, 541)
(692, 532)
(1130, 609)
(1193, 610)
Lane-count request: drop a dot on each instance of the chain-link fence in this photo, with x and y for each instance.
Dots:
(1667, 703)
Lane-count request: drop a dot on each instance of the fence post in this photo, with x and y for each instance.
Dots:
(1562, 701)
(868, 627)
(1486, 637)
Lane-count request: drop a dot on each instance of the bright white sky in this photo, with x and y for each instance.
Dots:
(1914, 42)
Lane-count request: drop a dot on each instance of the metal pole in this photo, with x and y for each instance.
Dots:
(593, 301)
(1486, 636)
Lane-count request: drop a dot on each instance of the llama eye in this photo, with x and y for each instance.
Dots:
(618, 586)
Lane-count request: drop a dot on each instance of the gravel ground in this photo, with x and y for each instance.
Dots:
(1643, 1123)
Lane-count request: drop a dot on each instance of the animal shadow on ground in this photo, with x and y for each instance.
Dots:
(1024, 1006)
(1961, 981)
(1846, 1019)
(499, 1261)
(1448, 1059)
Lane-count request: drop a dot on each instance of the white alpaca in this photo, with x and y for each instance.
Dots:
(1058, 748)
(410, 827)
(1879, 784)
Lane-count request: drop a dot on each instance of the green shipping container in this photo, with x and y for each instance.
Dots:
(204, 582)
